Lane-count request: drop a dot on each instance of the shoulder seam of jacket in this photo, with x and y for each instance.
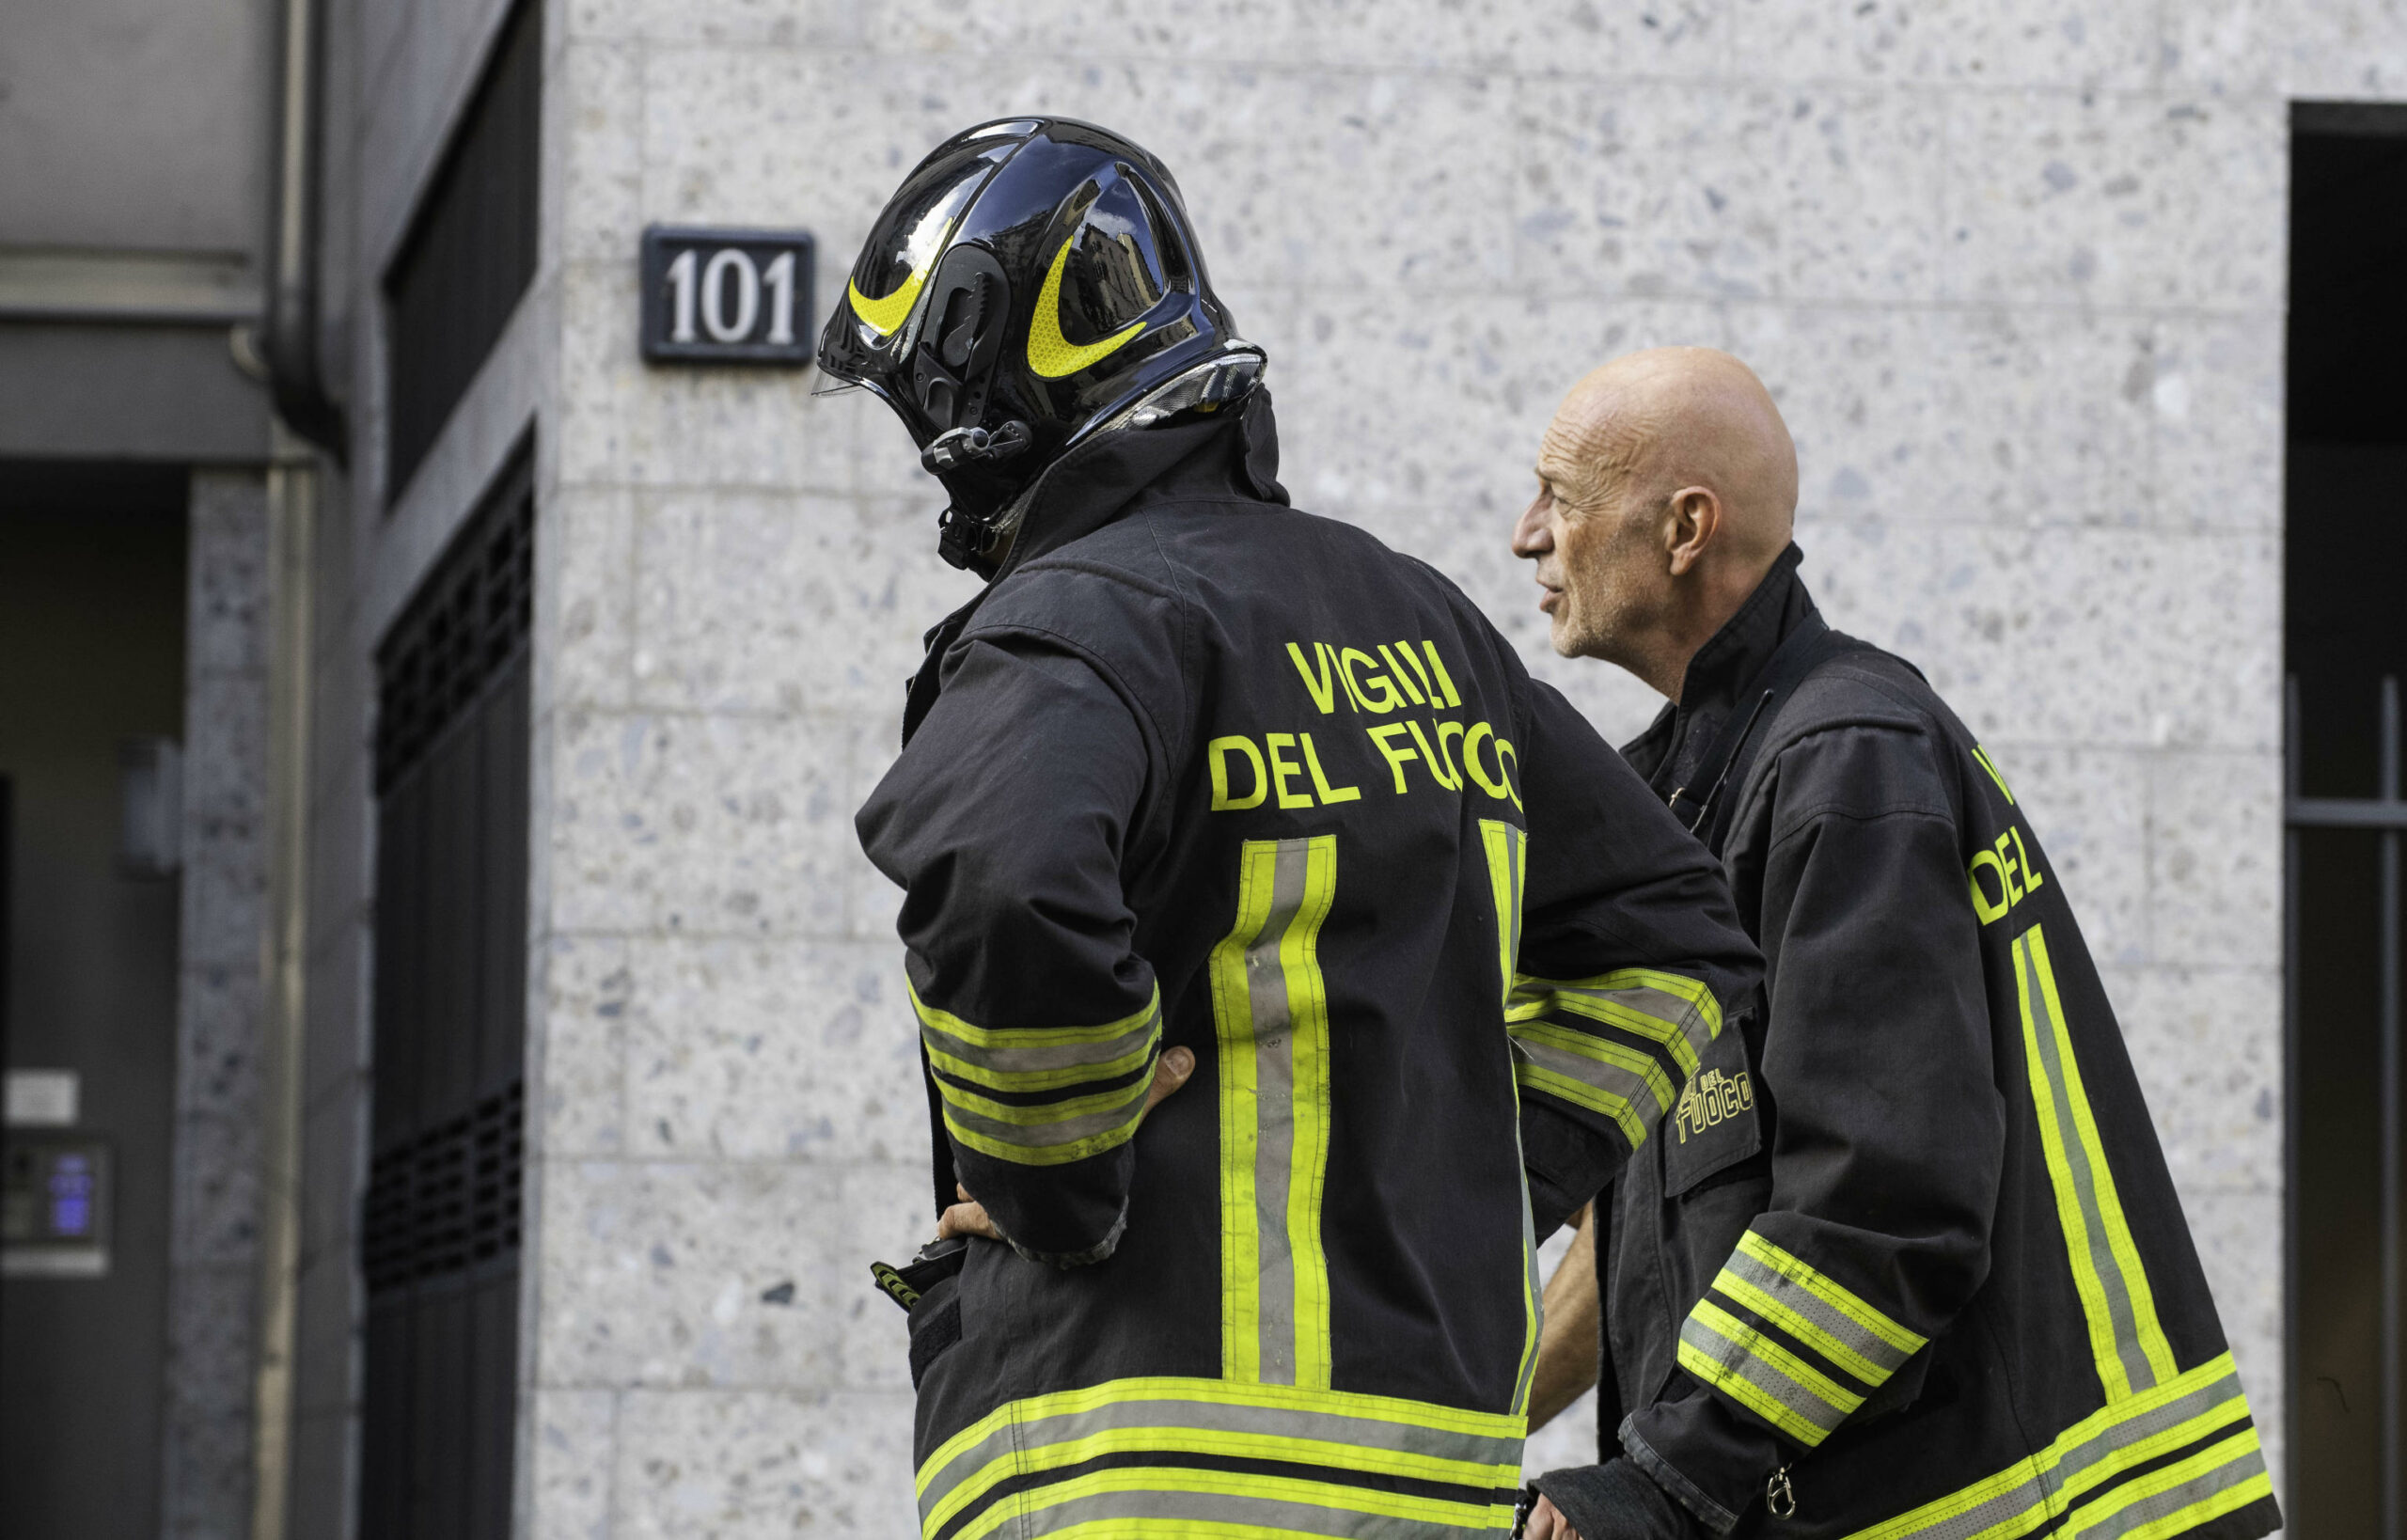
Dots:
(1088, 655)
(1767, 767)
(1809, 817)
(1852, 664)
(1060, 563)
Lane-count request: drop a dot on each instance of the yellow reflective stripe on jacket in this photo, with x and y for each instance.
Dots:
(1818, 1311)
(1342, 1433)
(1178, 1499)
(1761, 1375)
(1090, 1116)
(1270, 1014)
(1858, 1312)
(2076, 1475)
(2125, 1336)
(1981, 757)
(1032, 1059)
(1600, 1062)
(1507, 847)
(1667, 1008)
(1579, 1093)
(1043, 1135)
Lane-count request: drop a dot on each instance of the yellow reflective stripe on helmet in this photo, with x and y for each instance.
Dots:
(1270, 1016)
(1759, 1373)
(1858, 1312)
(1050, 353)
(2126, 1338)
(2073, 1474)
(883, 315)
(1343, 1432)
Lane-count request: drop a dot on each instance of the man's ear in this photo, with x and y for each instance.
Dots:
(1695, 523)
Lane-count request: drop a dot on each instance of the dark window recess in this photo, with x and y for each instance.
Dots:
(470, 250)
(2347, 658)
(439, 1231)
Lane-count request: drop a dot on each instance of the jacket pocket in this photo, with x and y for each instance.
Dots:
(1717, 1119)
(935, 1324)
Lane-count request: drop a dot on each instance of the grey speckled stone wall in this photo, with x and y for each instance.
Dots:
(2014, 271)
(213, 1284)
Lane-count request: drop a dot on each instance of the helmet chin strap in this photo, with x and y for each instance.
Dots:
(953, 449)
(978, 541)
(970, 542)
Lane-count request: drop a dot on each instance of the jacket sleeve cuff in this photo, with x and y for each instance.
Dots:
(1567, 1163)
(1614, 1501)
(1087, 1258)
(1716, 1518)
(1714, 1461)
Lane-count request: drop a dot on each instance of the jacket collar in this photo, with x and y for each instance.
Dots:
(1235, 455)
(1667, 751)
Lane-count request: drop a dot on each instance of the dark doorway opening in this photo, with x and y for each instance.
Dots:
(2346, 546)
(440, 1236)
(92, 627)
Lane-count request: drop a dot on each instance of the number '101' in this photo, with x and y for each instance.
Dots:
(730, 279)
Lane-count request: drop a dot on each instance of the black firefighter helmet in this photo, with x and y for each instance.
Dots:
(1033, 285)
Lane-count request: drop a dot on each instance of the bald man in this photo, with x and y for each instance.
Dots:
(1906, 1260)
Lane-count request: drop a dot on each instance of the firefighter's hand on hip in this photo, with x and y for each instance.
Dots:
(969, 1217)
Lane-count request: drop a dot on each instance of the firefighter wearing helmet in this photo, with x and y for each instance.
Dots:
(1198, 779)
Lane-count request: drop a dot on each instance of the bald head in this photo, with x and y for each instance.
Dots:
(1667, 487)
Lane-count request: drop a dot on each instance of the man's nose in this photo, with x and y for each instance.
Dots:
(1530, 536)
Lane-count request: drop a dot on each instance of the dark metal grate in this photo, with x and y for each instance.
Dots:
(469, 620)
(446, 1199)
(439, 1227)
(470, 251)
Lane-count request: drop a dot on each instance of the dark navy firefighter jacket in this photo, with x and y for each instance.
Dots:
(1908, 1254)
(1199, 769)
